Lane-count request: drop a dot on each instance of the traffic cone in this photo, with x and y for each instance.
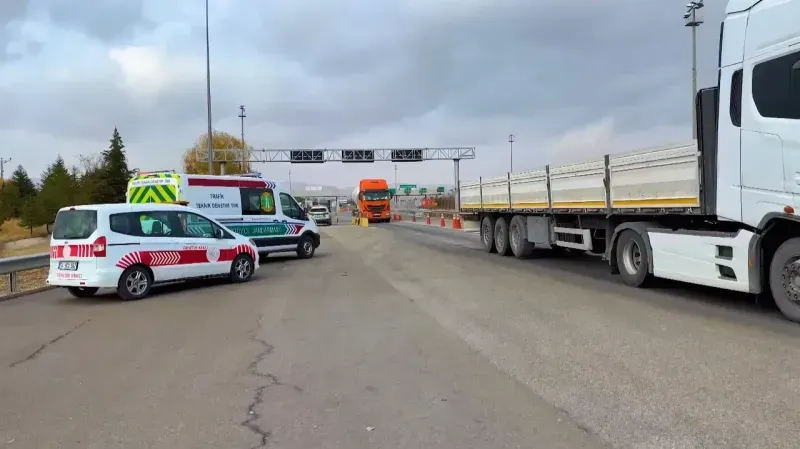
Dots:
(414, 218)
(442, 223)
(457, 222)
(428, 219)
(400, 217)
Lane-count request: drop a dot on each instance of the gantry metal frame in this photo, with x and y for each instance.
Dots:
(359, 155)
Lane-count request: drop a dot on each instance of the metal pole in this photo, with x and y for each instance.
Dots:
(242, 115)
(511, 148)
(457, 176)
(396, 188)
(694, 76)
(208, 99)
(3, 169)
(290, 182)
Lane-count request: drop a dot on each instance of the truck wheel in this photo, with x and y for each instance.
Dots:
(487, 234)
(518, 237)
(632, 259)
(135, 283)
(501, 237)
(784, 278)
(82, 292)
(305, 248)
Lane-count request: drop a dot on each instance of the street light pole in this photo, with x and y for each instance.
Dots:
(208, 99)
(3, 169)
(511, 151)
(242, 115)
(693, 20)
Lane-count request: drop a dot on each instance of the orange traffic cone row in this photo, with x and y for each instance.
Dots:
(441, 222)
(457, 222)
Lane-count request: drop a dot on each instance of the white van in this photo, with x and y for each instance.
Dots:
(248, 205)
(131, 247)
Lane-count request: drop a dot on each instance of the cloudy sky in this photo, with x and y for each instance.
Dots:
(570, 78)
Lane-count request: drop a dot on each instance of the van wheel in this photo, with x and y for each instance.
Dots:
(501, 237)
(135, 283)
(262, 258)
(487, 234)
(241, 268)
(632, 259)
(82, 292)
(784, 278)
(305, 248)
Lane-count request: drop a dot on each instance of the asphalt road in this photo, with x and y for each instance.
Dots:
(401, 335)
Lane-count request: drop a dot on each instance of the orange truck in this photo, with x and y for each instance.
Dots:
(373, 200)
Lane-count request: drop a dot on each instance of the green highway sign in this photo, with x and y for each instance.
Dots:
(408, 186)
(407, 191)
(393, 191)
(423, 190)
(440, 190)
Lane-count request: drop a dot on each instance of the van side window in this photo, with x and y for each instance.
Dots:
(257, 202)
(194, 225)
(156, 224)
(289, 206)
(776, 87)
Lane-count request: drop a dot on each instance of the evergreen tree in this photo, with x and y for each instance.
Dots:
(58, 190)
(9, 201)
(114, 175)
(23, 182)
(32, 214)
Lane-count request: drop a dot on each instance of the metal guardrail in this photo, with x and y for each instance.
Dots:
(11, 266)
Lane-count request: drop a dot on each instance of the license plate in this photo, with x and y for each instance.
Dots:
(68, 265)
(376, 215)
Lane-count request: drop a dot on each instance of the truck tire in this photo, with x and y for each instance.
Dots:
(632, 257)
(487, 234)
(784, 275)
(501, 243)
(518, 236)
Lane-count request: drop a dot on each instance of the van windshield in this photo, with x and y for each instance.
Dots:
(376, 195)
(75, 224)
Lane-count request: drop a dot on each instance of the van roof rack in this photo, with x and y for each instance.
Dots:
(156, 172)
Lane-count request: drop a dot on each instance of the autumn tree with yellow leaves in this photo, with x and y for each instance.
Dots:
(195, 159)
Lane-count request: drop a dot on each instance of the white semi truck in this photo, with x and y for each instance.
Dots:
(721, 211)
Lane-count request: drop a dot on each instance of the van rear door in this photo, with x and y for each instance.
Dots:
(75, 245)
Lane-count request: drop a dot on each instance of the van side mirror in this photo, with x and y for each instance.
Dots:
(219, 233)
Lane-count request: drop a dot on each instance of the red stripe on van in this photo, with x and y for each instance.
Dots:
(215, 182)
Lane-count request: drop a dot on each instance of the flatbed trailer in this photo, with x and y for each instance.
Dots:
(719, 211)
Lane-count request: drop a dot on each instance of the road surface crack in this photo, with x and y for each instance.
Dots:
(253, 415)
(44, 346)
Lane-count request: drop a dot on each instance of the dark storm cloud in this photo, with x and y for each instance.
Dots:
(105, 20)
(381, 63)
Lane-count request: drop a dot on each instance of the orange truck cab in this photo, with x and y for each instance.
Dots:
(373, 200)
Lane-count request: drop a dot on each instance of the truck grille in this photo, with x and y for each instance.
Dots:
(375, 209)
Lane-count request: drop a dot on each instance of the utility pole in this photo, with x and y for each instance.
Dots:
(693, 20)
(396, 191)
(511, 151)
(208, 99)
(290, 182)
(242, 115)
(3, 169)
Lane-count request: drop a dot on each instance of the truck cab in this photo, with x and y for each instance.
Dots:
(373, 199)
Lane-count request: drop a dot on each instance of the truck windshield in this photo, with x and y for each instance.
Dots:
(376, 195)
